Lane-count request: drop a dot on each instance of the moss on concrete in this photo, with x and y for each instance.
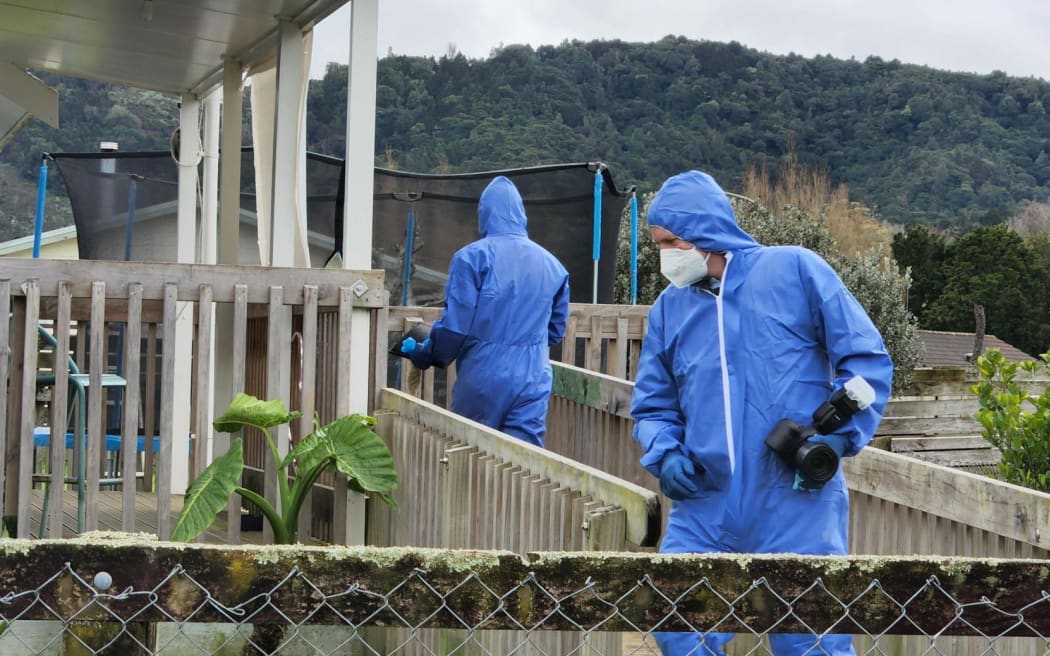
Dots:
(556, 590)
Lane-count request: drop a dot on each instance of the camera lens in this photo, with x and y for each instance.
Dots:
(816, 462)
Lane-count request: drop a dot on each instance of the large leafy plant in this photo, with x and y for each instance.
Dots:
(1014, 420)
(347, 445)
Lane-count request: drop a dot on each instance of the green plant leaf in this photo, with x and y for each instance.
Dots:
(209, 494)
(1014, 420)
(303, 447)
(246, 410)
(355, 451)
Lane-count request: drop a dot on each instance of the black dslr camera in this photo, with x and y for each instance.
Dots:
(816, 462)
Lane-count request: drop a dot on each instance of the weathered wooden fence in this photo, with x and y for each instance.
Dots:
(901, 505)
(466, 486)
(603, 338)
(589, 421)
(172, 307)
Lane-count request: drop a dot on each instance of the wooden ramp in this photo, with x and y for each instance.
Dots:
(109, 512)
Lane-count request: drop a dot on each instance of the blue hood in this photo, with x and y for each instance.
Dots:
(501, 210)
(693, 207)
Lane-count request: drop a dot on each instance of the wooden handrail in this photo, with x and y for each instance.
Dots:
(642, 505)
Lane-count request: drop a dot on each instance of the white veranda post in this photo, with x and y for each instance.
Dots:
(287, 248)
(227, 242)
(175, 479)
(357, 219)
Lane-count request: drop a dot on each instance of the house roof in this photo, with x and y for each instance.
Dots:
(163, 45)
(172, 46)
(21, 244)
(951, 349)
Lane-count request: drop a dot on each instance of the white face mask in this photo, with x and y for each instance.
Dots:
(683, 267)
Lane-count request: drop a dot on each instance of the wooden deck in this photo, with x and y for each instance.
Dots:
(109, 512)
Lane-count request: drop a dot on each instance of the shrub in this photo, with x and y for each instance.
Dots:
(881, 287)
(1014, 420)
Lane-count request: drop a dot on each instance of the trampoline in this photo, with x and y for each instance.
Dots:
(124, 207)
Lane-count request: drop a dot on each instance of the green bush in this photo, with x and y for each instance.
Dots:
(650, 282)
(879, 285)
(792, 226)
(1014, 420)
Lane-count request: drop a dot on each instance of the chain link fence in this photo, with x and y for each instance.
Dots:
(91, 596)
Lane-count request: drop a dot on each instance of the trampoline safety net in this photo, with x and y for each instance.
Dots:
(124, 206)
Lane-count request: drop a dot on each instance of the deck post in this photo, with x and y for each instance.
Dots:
(190, 148)
(227, 383)
(288, 205)
(357, 216)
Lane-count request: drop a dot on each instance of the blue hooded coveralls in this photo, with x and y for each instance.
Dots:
(507, 303)
(719, 369)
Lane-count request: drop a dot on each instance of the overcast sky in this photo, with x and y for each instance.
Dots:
(961, 35)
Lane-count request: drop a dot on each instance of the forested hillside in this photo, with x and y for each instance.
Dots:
(916, 145)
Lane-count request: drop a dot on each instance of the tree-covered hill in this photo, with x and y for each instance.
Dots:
(918, 145)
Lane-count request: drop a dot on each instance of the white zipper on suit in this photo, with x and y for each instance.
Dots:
(727, 406)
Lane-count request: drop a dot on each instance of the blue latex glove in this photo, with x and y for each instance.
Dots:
(417, 352)
(676, 476)
(838, 444)
(410, 345)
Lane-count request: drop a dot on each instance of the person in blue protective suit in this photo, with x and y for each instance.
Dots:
(507, 302)
(744, 337)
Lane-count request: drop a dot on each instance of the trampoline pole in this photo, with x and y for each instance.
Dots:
(114, 416)
(406, 270)
(132, 193)
(41, 195)
(634, 248)
(597, 241)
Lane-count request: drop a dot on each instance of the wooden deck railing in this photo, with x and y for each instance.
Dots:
(900, 505)
(176, 304)
(467, 486)
(603, 338)
(933, 420)
(589, 421)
